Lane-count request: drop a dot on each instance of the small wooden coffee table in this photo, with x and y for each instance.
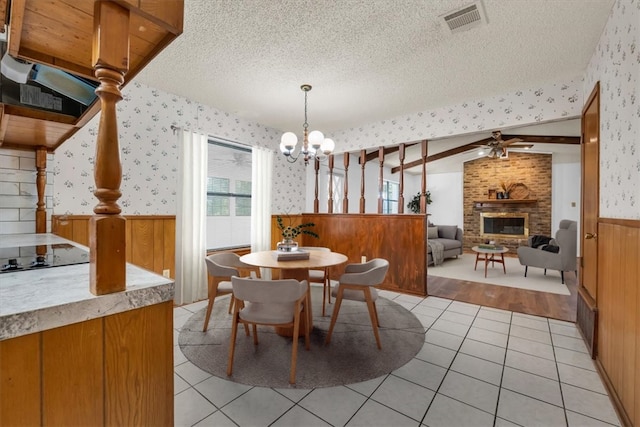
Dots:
(490, 257)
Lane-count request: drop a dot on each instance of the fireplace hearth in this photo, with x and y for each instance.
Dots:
(504, 224)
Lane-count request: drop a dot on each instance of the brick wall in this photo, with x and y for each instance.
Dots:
(18, 193)
(480, 175)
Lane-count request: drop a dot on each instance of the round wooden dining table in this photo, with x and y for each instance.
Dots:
(295, 269)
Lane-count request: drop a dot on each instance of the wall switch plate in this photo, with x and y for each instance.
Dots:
(166, 273)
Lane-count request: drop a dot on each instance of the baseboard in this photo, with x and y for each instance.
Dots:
(617, 403)
(587, 320)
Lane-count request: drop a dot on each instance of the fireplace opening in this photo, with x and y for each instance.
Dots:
(504, 224)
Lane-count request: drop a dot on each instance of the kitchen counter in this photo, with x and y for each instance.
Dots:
(41, 299)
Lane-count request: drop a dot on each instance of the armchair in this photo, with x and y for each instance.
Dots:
(565, 260)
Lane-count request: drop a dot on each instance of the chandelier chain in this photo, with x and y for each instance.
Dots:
(305, 125)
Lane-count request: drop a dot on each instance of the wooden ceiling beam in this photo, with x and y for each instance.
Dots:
(545, 139)
(442, 155)
(473, 145)
(387, 150)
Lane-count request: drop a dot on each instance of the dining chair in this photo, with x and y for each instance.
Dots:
(357, 284)
(320, 276)
(273, 303)
(221, 267)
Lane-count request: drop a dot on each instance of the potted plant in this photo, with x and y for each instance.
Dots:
(506, 186)
(414, 204)
(290, 232)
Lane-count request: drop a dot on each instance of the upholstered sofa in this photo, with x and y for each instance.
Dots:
(449, 235)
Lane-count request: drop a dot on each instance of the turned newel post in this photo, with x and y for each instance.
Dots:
(423, 187)
(345, 200)
(107, 226)
(41, 183)
(363, 162)
(316, 201)
(401, 155)
(380, 178)
(330, 201)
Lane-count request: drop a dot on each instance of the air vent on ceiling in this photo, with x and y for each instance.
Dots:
(468, 17)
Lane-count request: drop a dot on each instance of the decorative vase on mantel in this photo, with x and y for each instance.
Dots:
(287, 245)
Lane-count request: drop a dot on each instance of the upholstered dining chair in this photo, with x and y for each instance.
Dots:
(357, 283)
(270, 302)
(221, 267)
(321, 276)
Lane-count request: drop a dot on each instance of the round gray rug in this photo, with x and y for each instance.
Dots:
(352, 356)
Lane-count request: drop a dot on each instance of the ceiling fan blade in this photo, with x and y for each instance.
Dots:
(510, 141)
(521, 146)
(483, 142)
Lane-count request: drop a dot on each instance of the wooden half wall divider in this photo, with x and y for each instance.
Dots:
(400, 239)
(150, 239)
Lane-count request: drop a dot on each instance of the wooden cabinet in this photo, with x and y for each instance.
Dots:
(114, 370)
(60, 33)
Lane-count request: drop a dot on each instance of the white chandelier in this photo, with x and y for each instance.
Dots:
(314, 144)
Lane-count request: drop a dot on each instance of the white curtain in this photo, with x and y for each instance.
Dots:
(191, 274)
(261, 183)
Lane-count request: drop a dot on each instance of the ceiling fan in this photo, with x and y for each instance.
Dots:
(495, 147)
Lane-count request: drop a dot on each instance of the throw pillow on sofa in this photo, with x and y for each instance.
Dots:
(447, 231)
(432, 232)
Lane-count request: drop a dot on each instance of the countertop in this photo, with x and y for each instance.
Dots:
(36, 300)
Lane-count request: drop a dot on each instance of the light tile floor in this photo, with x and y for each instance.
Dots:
(479, 366)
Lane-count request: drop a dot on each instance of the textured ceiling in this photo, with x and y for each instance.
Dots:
(368, 60)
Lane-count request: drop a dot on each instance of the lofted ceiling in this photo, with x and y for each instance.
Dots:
(368, 60)
(455, 163)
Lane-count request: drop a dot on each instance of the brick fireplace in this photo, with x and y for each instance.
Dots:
(482, 178)
(497, 225)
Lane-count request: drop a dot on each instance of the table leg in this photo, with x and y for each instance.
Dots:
(504, 267)
(486, 263)
(477, 258)
(298, 274)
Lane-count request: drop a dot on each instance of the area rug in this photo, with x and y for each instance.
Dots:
(352, 356)
(461, 268)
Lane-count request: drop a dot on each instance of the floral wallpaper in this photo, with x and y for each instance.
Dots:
(149, 152)
(616, 64)
(542, 103)
(149, 149)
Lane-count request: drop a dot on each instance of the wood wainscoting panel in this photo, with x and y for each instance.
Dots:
(169, 245)
(141, 243)
(150, 239)
(20, 396)
(72, 365)
(587, 320)
(139, 366)
(618, 349)
(400, 239)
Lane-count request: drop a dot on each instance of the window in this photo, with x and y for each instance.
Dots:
(228, 195)
(217, 196)
(338, 191)
(390, 191)
(243, 198)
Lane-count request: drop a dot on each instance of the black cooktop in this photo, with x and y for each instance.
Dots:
(42, 256)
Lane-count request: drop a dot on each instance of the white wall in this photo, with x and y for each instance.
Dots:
(447, 196)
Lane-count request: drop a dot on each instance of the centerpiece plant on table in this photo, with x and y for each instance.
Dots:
(290, 232)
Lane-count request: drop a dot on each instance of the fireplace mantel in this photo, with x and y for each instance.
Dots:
(502, 202)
